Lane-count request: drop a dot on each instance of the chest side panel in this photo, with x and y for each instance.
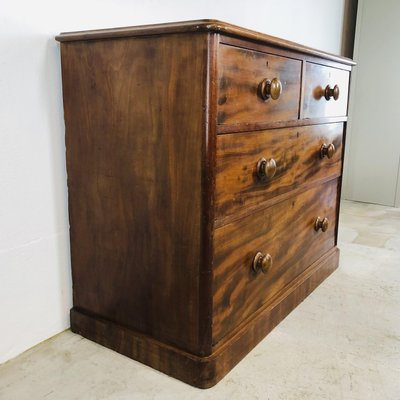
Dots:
(134, 134)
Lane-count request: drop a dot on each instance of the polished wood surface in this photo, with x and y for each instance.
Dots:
(202, 25)
(134, 158)
(256, 126)
(205, 372)
(286, 232)
(241, 72)
(317, 78)
(296, 152)
(203, 198)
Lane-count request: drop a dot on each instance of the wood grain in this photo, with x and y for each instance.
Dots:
(297, 155)
(164, 128)
(135, 138)
(284, 52)
(202, 25)
(317, 77)
(205, 372)
(240, 73)
(258, 126)
(286, 232)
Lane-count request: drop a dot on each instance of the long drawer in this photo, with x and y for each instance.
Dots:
(295, 156)
(287, 233)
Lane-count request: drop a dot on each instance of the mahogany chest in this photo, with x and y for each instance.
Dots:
(204, 169)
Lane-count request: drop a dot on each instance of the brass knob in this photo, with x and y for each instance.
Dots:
(266, 169)
(321, 223)
(332, 92)
(262, 262)
(327, 150)
(271, 89)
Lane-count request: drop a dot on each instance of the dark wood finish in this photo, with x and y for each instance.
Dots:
(287, 233)
(241, 72)
(208, 184)
(254, 126)
(161, 248)
(284, 52)
(339, 195)
(134, 158)
(317, 78)
(208, 25)
(205, 372)
(296, 152)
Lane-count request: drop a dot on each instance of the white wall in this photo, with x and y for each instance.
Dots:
(35, 283)
(372, 165)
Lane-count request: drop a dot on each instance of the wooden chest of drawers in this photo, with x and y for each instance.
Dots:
(204, 168)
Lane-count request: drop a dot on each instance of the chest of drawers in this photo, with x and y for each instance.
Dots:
(204, 167)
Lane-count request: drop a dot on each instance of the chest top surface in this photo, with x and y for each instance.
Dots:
(202, 25)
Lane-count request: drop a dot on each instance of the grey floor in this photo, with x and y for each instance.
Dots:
(342, 342)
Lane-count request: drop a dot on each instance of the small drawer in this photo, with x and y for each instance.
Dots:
(244, 94)
(325, 91)
(255, 167)
(288, 241)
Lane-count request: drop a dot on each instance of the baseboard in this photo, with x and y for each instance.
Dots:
(205, 372)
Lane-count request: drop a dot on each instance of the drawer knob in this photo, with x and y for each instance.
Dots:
(262, 262)
(332, 92)
(321, 223)
(327, 150)
(266, 169)
(270, 88)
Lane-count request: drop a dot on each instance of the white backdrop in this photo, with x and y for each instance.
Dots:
(372, 164)
(35, 283)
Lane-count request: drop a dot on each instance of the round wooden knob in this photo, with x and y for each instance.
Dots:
(332, 92)
(262, 262)
(270, 88)
(266, 169)
(327, 150)
(321, 223)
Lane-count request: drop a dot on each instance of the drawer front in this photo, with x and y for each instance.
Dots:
(317, 78)
(241, 72)
(286, 232)
(296, 153)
